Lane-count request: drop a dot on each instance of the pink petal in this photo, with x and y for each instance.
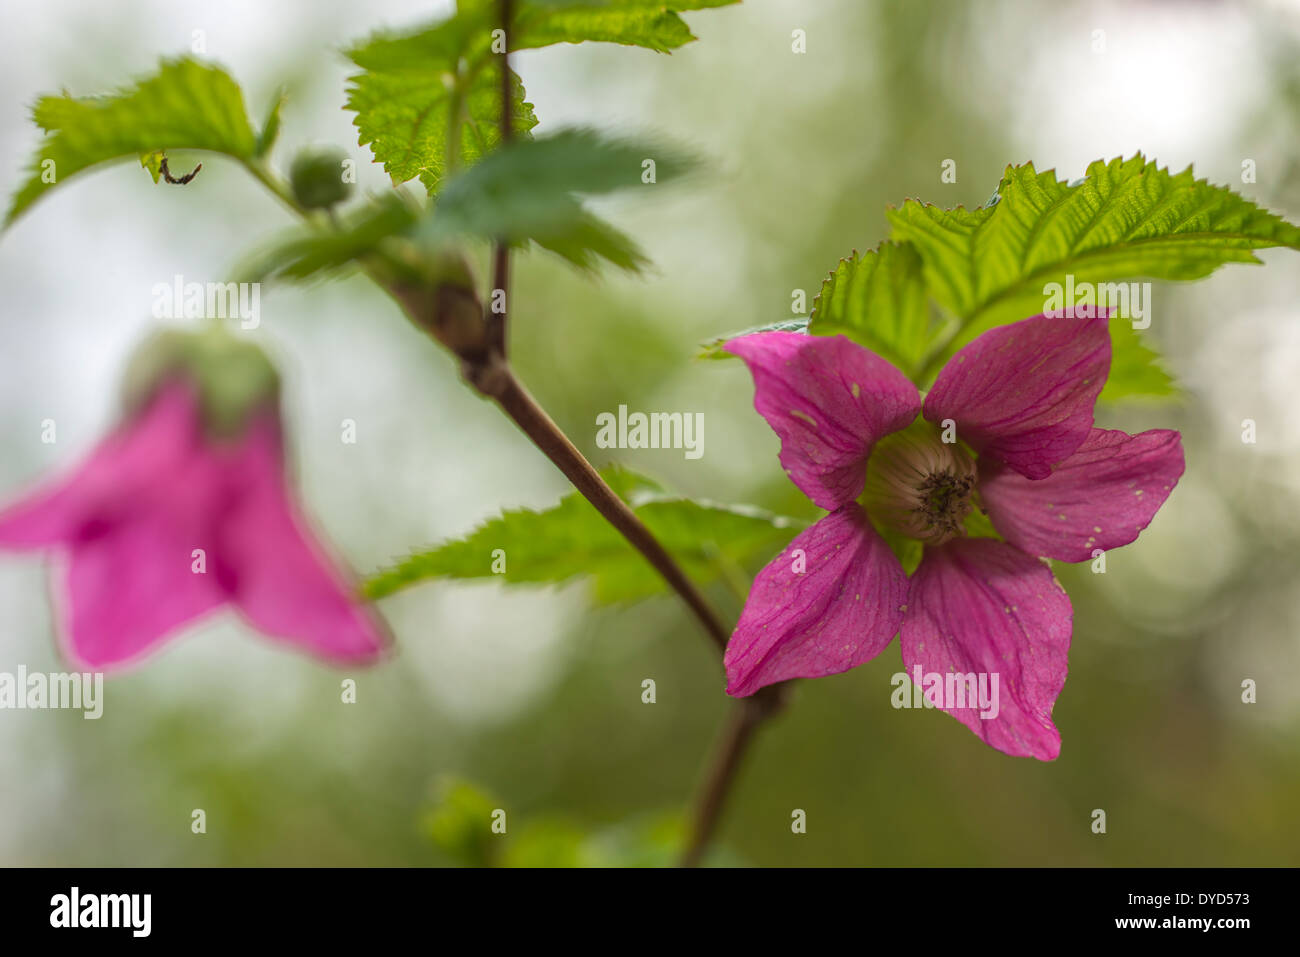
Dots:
(128, 588)
(979, 606)
(829, 400)
(138, 455)
(283, 581)
(839, 611)
(1100, 497)
(1024, 393)
(131, 518)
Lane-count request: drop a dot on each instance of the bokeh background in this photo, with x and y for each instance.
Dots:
(529, 696)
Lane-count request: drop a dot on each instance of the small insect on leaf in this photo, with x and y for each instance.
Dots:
(176, 180)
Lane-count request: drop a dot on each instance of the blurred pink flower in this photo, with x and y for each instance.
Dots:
(170, 519)
(1017, 407)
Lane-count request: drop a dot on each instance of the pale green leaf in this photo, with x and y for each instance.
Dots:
(653, 24)
(532, 189)
(460, 822)
(306, 253)
(1135, 368)
(186, 105)
(270, 131)
(152, 161)
(712, 348)
(571, 540)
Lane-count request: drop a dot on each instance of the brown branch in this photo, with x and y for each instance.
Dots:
(452, 313)
(496, 321)
(495, 379)
(747, 715)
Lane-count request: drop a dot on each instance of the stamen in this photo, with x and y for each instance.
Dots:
(919, 485)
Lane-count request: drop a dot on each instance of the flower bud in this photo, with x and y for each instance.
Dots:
(317, 177)
(234, 378)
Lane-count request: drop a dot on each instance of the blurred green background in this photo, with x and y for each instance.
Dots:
(526, 693)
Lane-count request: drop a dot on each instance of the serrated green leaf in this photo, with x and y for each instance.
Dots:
(653, 24)
(572, 540)
(428, 101)
(185, 105)
(878, 300)
(712, 348)
(1127, 219)
(531, 189)
(420, 89)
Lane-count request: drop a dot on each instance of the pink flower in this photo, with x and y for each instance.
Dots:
(184, 509)
(858, 440)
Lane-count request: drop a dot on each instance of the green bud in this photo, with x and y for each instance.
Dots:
(317, 177)
(234, 378)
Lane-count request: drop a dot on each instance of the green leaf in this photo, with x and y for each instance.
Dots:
(878, 300)
(653, 24)
(428, 101)
(460, 822)
(531, 189)
(1127, 219)
(528, 191)
(648, 841)
(712, 348)
(548, 842)
(571, 540)
(152, 161)
(185, 105)
(1135, 369)
(305, 253)
(908, 551)
(270, 126)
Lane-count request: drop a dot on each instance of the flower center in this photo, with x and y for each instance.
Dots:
(919, 485)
